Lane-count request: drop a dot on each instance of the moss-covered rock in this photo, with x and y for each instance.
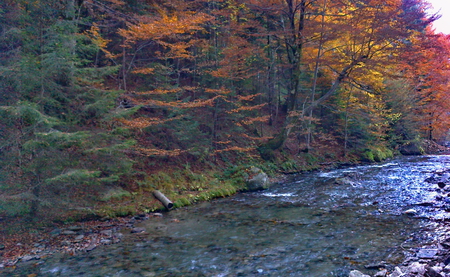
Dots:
(256, 179)
(411, 148)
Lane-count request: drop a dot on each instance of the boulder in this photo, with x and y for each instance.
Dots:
(411, 148)
(256, 179)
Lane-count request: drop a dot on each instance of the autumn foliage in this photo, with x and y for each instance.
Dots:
(118, 90)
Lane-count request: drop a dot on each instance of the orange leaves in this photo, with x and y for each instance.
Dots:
(160, 91)
(144, 70)
(248, 108)
(427, 65)
(251, 120)
(163, 27)
(159, 152)
(235, 148)
(94, 34)
(221, 91)
(141, 122)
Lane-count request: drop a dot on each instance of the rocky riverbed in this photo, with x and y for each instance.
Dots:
(432, 260)
(86, 236)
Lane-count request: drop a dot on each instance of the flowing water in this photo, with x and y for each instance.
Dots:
(317, 224)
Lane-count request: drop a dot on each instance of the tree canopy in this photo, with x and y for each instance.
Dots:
(100, 94)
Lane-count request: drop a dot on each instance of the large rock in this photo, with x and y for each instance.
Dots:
(411, 148)
(256, 179)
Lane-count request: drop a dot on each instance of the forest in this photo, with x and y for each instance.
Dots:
(104, 101)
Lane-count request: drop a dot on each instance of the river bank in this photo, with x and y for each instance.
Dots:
(82, 237)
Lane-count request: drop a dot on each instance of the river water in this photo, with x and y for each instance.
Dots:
(316, 224)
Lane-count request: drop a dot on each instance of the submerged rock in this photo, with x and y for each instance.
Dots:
(356, 273)
(138, 230)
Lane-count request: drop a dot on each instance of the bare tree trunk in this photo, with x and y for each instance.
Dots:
(316, 73)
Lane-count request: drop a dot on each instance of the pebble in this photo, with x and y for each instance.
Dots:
(55, 232)
(75, 228)
(68, 232)
(27, 258)
(106, 241)
(79, 237)
(106, 232)
(91, 247)
(138, 230)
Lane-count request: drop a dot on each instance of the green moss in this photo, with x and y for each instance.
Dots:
(14, 208)
(181, 202)
(115, 194)
(376, 154)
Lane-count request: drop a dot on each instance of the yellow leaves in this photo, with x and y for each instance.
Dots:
(94, 35)
(144, 70)
(159, 152)
(159, 91)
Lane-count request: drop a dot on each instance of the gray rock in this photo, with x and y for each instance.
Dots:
(106, 241)
(75, 228)
(68, 232)
(257, 180)
(397, 272)
(378, 265)
(381, 273)
(138, 230)
(433, 271)
(427, 253)
(106, 232)
(27, 258)
(91, 247)
(415, 268)
(79, 237)
(55, 232)
(411, 148)
(356, 273)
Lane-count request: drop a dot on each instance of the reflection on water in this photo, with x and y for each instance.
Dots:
(319, 224)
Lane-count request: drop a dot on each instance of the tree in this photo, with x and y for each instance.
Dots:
(54, 147)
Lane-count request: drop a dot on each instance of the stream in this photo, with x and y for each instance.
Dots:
(316, 224)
